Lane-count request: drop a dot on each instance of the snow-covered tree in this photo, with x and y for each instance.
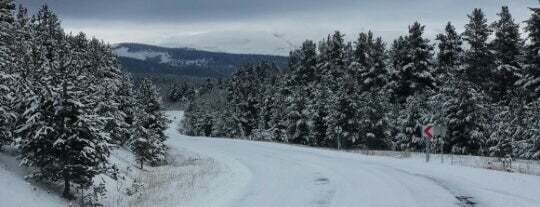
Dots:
(303, 72)
(450, 53)
(7, 115)
(478, 59)
(370, 59)
(297, 121)
(343, 121)
(530, 81)
(526, 141)
(375, 128)
(150, 124)
(413, 72)
(7, 35)
(506, 47)
(65, 140)
(467, 111)
(409, 125)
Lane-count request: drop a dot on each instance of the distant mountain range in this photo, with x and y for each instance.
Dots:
(147, 59)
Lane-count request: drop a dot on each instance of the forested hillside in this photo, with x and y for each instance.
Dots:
(483, 84)
(65, 104)
(141, 59)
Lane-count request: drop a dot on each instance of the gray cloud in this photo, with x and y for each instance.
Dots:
(261, 26)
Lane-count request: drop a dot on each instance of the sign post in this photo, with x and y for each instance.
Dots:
(428, 132)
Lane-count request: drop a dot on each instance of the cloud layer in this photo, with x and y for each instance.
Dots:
(261, 26)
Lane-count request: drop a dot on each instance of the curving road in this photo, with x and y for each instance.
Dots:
(262, 174)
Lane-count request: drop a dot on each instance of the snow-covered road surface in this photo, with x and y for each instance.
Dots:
(262, 174)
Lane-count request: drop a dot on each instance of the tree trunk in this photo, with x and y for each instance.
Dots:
(67, 190)
(141, 164)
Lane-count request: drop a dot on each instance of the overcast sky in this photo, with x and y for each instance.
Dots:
(261, 26)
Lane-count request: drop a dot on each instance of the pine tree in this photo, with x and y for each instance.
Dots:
(297, 122)
(374, 124)
(412, 72)
(7, 66)
(450, 53)
(409, 124)
(370, 56)
(304, 71)
(526, 143)
(242, 96)
(342, 121)
(318, 109)
(7, 116)
(125, 97)
(507, 48)
(65, 124)
(7, 35)
(466, 110)
(174, 93)
(478, 59)
(150, 124)
(362, 50)
(530, 80)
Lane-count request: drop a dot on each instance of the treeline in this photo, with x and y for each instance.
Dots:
(483, 84)
(64, 101)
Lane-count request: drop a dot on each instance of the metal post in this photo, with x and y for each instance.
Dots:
(338, 142)
(427, 148)
(442, 147)
(338, 132)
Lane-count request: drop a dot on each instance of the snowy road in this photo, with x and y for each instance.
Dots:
(276, 175)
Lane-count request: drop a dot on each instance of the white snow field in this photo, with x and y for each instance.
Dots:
(213, 172)
(262, 174)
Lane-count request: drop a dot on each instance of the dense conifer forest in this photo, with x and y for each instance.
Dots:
(65, 102)
(482, 84)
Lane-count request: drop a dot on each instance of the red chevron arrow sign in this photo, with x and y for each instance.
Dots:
(427, 131)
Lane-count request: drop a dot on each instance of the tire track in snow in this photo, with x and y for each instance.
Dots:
(463, 200)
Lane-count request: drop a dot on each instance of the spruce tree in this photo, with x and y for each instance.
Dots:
(343, 121)
(466, 110)
(7, 36)
(304, 70)
(507, 47)
(297, 121)
(478, 59)
(68, 124)
(412, 72)
(7, 115)
(530, 80)
(147, 142)
(450, 53)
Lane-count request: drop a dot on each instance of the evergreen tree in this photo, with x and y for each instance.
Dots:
(7, 35)
(150, 124)
(297, 122)
(450, 53)
(478, 59)
(375, 129)
(530, 80)
(304, 71)
(362, 51)
(526, 143)
(64, 123)
(7, 116)
(466, 110)
(507, 48)
(370, 56)
(413, 70)
(174, 93)
(409, 123)
(343, 123)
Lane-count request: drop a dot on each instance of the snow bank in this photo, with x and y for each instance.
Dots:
(531, 167)
(15, 191)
